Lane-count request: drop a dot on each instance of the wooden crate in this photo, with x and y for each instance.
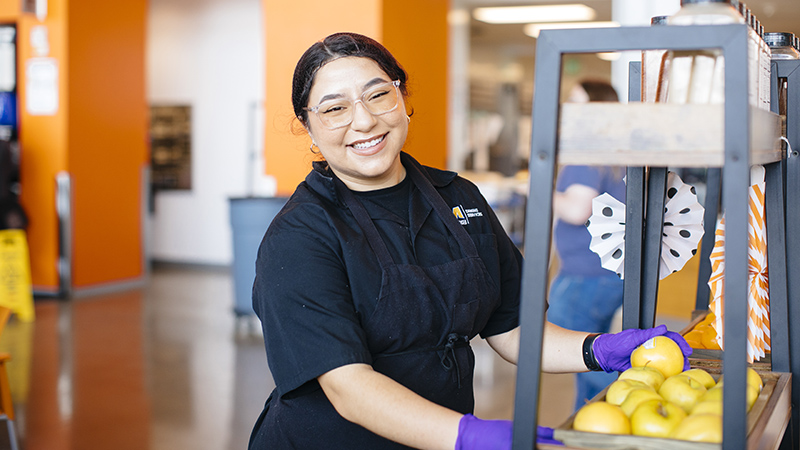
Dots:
(766, 421)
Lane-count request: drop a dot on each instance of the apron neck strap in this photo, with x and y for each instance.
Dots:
(365, 222)
(436, 201)
(443, 211)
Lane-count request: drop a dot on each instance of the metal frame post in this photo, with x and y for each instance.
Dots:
(634, 220)
(713, 184)
(790, 70)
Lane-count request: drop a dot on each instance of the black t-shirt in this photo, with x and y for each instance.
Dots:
(392, 199)
(317, 278)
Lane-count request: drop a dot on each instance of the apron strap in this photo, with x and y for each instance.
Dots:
(431, 195)
(366, 224)
(444, 212)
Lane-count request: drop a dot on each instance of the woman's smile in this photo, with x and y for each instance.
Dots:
(368, 146)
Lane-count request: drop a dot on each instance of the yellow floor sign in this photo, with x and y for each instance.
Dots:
(15, 274)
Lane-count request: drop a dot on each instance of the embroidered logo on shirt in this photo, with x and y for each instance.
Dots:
(463, 215)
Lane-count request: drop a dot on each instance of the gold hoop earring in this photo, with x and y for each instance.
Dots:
(311, 147)
(409, 118)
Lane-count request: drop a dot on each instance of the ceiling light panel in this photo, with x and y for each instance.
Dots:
(534, 14)
(533, 29)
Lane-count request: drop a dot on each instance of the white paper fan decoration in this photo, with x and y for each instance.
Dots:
(606, 225)
(683, 228)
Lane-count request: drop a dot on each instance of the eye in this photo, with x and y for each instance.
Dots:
(335, 108)
(377, 94)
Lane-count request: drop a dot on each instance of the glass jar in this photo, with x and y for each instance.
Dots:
(783, 47)
(765, 69)
(655, 69)
(697, 76)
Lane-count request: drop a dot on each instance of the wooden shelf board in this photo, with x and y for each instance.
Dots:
(658, 134)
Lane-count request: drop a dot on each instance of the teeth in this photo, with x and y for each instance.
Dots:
(368, 144)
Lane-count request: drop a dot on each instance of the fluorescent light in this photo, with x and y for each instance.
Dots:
(534, 14)
(533, 29)
(609, 56)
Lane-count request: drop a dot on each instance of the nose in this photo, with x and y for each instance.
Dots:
(362, 119)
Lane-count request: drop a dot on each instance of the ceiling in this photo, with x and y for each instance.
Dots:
(496, 49)
(775, 15)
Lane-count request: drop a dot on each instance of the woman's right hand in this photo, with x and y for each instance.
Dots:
(477, 434)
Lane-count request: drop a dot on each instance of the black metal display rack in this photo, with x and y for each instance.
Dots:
(790, 70)
(743, 132)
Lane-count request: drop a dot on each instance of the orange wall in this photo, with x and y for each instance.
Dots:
(43, 146)
(98, 136)
(9, 11)
(290, 28)
(107, 137)
(415, 31)
(406, 28)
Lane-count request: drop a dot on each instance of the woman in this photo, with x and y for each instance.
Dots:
(584, 296)
(368, 287)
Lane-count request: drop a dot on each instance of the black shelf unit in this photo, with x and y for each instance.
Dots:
(641, 265)
(790, 70)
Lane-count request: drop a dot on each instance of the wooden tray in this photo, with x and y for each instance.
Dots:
(658, 134)
(766, 421)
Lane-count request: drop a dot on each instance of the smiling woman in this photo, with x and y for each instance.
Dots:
(369, 288)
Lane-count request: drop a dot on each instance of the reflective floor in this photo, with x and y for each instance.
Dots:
(170, 367)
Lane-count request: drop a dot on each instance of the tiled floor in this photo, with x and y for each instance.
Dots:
(168, 367)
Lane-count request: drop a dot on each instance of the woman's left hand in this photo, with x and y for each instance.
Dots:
(613, 351)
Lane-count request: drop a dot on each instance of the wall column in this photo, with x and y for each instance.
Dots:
(96, 133)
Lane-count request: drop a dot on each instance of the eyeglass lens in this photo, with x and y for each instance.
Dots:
(378, 100)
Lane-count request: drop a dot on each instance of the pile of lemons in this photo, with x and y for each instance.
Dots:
(657, 398)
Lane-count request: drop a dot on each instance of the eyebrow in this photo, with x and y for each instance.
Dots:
(373, 82)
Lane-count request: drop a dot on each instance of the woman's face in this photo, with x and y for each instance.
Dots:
(365, 154)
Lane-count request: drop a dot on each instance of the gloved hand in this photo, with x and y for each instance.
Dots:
(478, 434)
(613, 351)
(544, 435)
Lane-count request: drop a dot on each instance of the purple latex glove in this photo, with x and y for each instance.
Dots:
(478, 434)
(544, 435)
(613, 351)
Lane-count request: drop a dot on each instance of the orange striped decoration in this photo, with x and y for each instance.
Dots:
(758, 326)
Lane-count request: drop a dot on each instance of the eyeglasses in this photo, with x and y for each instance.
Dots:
(337, 113)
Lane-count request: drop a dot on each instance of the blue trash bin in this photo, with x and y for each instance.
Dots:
(250, 218)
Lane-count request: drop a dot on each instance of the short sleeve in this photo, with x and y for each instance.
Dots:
(302, 297)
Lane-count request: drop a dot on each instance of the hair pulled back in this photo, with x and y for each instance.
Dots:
(337, 46)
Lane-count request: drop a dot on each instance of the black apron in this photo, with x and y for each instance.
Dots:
(418, 335)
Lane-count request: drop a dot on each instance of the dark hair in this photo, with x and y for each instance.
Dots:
(599, 91)
(336, 46)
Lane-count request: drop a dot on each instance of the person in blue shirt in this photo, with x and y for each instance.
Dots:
(378, 272)
(584, 296)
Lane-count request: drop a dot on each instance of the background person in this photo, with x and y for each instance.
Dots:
(369, 289)
(584, 296)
